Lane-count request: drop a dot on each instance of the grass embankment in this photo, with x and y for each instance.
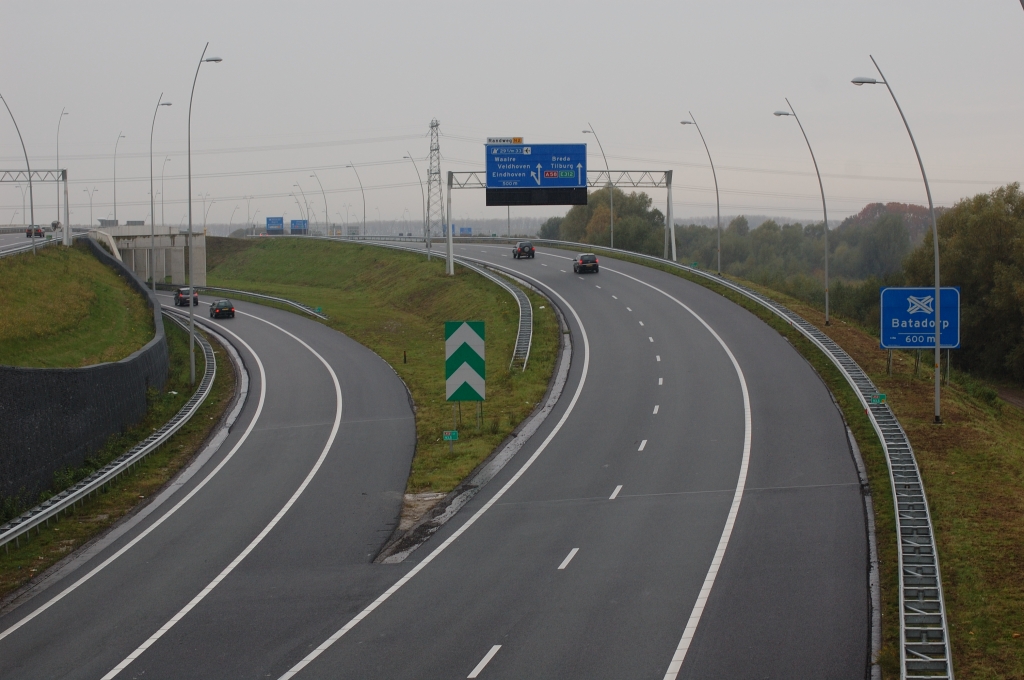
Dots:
(101, 511)
(973, 471)
(64, 308)
(396, 304)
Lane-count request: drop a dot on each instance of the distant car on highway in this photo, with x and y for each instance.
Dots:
(181, 297)
(585, 262)
(524, 249)
(222, 308)
(38, 232)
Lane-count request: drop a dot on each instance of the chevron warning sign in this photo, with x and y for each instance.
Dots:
(464, 366)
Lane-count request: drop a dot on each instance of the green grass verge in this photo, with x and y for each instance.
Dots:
(973, 472)
(64, 308)
(396, 304)
(89, 519)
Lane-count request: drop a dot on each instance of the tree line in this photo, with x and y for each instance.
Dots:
(981, 242)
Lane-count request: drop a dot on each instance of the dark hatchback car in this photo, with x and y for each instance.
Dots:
(585, 262)
(181, 297)
(38, 232)
(524, 249)
(222, 308)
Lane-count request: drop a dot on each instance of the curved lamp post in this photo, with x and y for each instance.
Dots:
(306, 203)
(327, 215)
(351, 165)
(162, 193)
(67, 228)
(824, 210)
(31, 202)
(94, 190)
(152, 199)
(191, 260)
(935, 227)
(718, 204)
(611, 188)
(423, 198)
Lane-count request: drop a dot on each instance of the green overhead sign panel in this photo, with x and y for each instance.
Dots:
(464, 366)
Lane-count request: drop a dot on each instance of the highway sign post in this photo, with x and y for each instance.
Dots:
(275, 226)
(465, 368)
(908, 318)
(536, 174)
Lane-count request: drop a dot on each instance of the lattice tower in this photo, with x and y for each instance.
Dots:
(435, 188)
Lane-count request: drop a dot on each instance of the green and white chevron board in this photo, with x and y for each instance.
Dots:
(464, 365)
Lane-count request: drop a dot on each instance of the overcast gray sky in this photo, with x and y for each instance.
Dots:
(311, 86)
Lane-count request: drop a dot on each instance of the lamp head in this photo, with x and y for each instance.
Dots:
(215, 60)
(686, 122)
(864, 81)
(782, 113)
(162, 104)
(587, 132)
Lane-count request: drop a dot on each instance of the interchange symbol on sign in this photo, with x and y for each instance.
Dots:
(917, 304)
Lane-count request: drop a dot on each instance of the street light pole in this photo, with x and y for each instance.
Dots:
(230, 221)
(31, 202)
(792, 112)
(191, 260)
(306, 217)
(351, 165)
(611, 188)
(22, 189)
(935, 229)
(718, 204)
(119, 138)
(423, 204)
(94, 190)
(59, 121)
(327, 215)
(152, 199)
(162, 193)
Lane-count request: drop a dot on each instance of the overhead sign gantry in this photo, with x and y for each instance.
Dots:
(535, 174)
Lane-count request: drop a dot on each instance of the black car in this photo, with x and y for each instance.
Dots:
(34, 231)
(181, 297)
(222, 308)
(524, 249)
(585, 262)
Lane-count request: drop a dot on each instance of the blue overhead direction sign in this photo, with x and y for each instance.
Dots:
(908, 318)
(275, 225)
(536, 166)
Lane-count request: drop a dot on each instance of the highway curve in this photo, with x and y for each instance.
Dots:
(339, 453)
(589, 563)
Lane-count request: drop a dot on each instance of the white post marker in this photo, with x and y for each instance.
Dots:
(484, 661)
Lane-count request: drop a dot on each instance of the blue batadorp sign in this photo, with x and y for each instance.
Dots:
(465, 231)
(908, 318)
(536, 166)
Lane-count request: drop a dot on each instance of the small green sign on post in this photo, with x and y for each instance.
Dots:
(451, 435)
(877, 398)
(464, 366)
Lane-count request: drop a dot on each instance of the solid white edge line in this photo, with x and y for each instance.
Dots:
(615, 493)
(709, 580)
(484, 661)
(568, 558)
(266, 530)
(643, 444)
(128, 546)
(326, 644)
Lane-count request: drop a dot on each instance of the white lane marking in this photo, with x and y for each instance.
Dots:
(543, 265)
(656, 407)
(658, 357)
(484, 661)
(650, 338)
(661, 381)
(582, 279)
(615, 297)
(615, 493)
(596, 286)
(643, 445)
(568, 558)
(563, 271)
(266, 530)
(641, 323)
(326, 644)
(161, 520)
(628, 309)
(741, 482)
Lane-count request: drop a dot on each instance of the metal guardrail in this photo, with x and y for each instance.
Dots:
(27, 248)
(298, 305)
(66, 500)
(924, 631)
(524, 337)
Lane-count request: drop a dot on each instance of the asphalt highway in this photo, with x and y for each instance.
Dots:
(689, 509)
